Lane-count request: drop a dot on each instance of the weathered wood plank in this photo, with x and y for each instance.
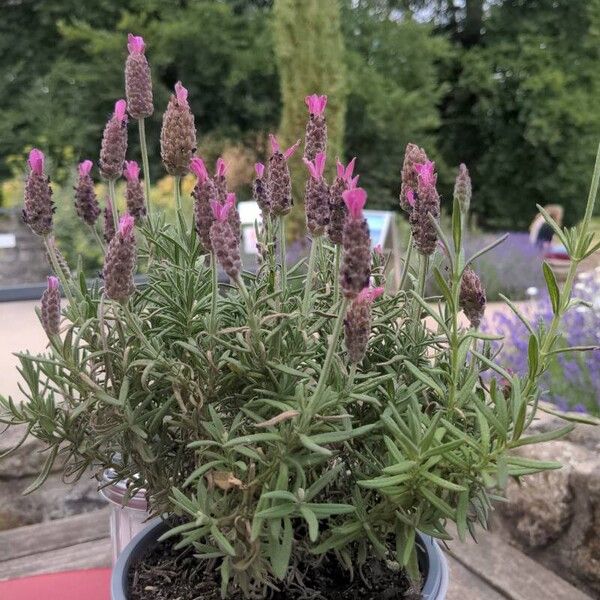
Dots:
(465, 585)
(511, 572)
(51, 535)
(88, 555)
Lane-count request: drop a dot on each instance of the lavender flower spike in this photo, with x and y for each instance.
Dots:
(178, 134)
(138, 81)
(355, 270)
(337, 207)
(114, 143)
(357, 325)
(426, 206)
(279, 181)
(86, 203)
(119, 263)
(134, 193)
(38, 207)
(225, 242)
(50, 309)
(203, 193)
(462, 189)
(316, 198)
(471, 297)
(316, 127)
(413, 155)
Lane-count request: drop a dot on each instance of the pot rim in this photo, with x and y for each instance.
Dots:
(435, 585)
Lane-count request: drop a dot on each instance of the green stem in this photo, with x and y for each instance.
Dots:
(51, 251)
(145, 166)
(336, 274)
(423, 266)
(283, 251)
(309, 276)
(141, 335)
(112, 198)
(98, 238)
(215, 293)
(335, 336)
(407, 258)
(252, 322)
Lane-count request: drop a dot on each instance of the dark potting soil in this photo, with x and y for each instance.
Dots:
(168, 574)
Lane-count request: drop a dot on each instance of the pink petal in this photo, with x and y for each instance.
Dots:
(426, 173)
(120, 110)
(260, 170)
(320, 160)
(182, 94)
(85, 168)
(221, 167)
(231, 199)
(316, 104)
(378, 250)
(339, 168)
(36, 161)
(350, 169)
(353, 182)
(370, 294)
(410, 196)
(274, 144)
(126, 225)
(135, 43)
(288, 153)
(198, 168)
(220, 211)
(311, 168)
(52, 282)
(355, 201)
(131, 171)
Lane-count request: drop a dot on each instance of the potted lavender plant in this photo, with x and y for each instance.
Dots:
(293, 444)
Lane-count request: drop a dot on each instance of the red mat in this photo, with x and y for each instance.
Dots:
(91, 584)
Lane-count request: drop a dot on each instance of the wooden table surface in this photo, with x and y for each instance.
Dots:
(489, 570)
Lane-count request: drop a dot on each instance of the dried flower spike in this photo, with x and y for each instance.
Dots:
(259, 189)
(462, 189)
(114, 143)
(316, 197)
(38, 207)
(119, 263)
(316, 127)
(357, 325)
(138, 81)
(225, 242)
(426, 206)
(471, 297)
(203, 193)
(279, 181)
(355, 270)
(86, 203)
(134, 193)
(337, 207)
(50, 309)
(413, 155)
(178, 134)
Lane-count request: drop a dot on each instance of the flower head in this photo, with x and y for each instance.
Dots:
(316, 104)
(36, 161)
(52, 283)
(126, 224)
(259, 169)
(462, 189)
(86, 203)
(317, 166)
(426, 173)
(345, 173)
(355, 200)
(135, 44)
(220, 211)
(276, 149)
(182, 94)
(50, 309)
(85, 168)
(132, 170)
(231, 199)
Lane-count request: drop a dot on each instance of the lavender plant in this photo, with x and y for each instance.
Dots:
(281, 428)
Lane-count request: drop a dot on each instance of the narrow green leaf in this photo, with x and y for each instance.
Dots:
(552, 286)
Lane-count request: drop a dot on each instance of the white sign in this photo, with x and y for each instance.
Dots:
(8, 240)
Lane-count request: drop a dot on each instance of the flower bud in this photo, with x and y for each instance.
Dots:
(120, 261)
(337, 207)
(225, 242)
(178, 134)
(203, 192)
(259, 189)
(86, 203)
(462, 189)
(38, 207)
(472, 297)
(316, 198)
(279, 182)
(357, 325)
(138, 81)
(134, 192)
(413, 155)
(114, 143)
(426, 206)
(316, 127)
(50, 309)
(355, 269)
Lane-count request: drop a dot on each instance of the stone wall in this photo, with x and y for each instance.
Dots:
(554, 516)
